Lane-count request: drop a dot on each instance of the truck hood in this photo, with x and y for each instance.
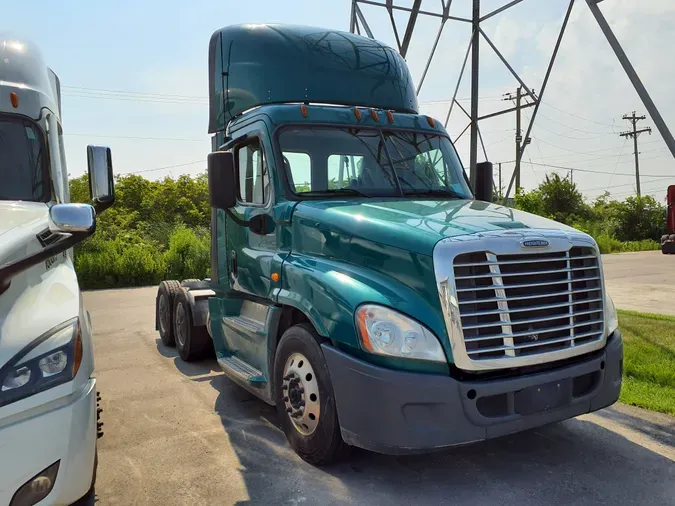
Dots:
(19, 222)
(414, 225)
(39, 298)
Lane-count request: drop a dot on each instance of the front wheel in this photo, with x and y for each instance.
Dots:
(304, 397)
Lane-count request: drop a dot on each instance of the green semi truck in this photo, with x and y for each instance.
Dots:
(359, 282)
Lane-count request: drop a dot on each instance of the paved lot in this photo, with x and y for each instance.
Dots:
(182, 434)
(643, 281)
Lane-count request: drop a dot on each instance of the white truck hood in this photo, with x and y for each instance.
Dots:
(39, 298)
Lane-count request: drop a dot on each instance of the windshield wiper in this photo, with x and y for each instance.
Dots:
(435, 193)
(352, 191)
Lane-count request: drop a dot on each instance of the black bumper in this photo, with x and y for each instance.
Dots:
(396, 412)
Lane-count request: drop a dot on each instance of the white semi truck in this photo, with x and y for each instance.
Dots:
(49, 420)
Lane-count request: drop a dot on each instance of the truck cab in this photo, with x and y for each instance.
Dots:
(48, 398)
(358, 282)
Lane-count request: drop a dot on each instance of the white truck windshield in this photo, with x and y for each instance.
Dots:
(371, 162)
(23, 161)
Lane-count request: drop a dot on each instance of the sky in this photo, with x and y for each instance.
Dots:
(134, 77)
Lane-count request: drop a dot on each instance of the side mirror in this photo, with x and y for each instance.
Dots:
(72, 219)
(222, 181)
(101, 182)
(483, 188)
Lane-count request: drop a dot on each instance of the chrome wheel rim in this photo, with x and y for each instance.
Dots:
(181, 321)
(300, 390)
(163, 314)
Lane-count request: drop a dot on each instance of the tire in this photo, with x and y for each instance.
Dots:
(321, 443)
(190, 280)
(193, 343)
(164, 303)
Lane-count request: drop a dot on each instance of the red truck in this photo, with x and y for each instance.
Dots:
(668, 239)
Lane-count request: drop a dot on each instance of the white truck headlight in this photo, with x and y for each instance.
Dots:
(50, 360)
(611, 317)
(384, 331)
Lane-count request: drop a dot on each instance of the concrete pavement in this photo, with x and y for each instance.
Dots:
(182, 434)
(643, 281)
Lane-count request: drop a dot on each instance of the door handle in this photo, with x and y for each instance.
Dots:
(234, 263)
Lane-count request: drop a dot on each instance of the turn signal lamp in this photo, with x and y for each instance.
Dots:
(14, 99)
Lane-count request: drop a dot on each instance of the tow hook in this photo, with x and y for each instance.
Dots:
(99, 410)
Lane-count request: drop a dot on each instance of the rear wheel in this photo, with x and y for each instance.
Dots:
(304, 397)
(165, 301)
(193, 343)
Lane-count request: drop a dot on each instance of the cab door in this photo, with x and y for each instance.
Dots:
(250, 253)
(243, 314)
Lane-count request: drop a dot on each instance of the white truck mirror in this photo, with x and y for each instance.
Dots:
(72, 218)
(101, 182)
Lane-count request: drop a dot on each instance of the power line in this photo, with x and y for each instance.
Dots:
(150, 100)
(124, 92)
(163, 168)
(599, 134)
(597, 171)
(616, 166)
(577, 116)
(136, 137)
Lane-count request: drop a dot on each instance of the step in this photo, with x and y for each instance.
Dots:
(241, 369)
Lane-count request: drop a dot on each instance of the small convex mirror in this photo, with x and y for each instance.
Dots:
(72, 218)
(101, 183)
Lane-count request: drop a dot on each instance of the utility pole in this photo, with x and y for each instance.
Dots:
(500, 182)
(572, 176)
(634, 134)
(519, 134)
(475, 64)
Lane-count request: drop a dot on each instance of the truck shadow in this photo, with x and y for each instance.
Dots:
(190, 369)
(576, 461)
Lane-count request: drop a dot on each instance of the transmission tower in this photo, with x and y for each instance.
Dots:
(634, 134)
(359, 24)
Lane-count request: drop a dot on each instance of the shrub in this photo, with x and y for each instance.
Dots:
(119, 263)
(188, 255)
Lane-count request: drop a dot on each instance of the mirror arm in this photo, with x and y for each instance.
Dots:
(232, 142)
(8, 271)
(99, 207)
(237, 220)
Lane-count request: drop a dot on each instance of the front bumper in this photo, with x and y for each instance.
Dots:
(396, 412)
(66, 434)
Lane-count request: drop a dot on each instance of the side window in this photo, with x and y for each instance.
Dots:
(57, 172)
(299, 165)
(343, 169)
(252, 173)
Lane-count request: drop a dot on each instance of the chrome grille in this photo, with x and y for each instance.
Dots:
(519, 305)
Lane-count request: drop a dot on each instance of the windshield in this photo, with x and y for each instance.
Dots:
(370, 162)
(23, 167)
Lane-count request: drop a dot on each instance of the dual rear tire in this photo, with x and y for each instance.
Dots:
(175, 322)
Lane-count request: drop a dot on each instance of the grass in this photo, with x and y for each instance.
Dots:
(608, 244)
(649, 361)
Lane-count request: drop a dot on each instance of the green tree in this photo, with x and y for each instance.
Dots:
(639, 218)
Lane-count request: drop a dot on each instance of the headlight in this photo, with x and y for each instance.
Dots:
(50, 360)
(612, 317)
(384, 331)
